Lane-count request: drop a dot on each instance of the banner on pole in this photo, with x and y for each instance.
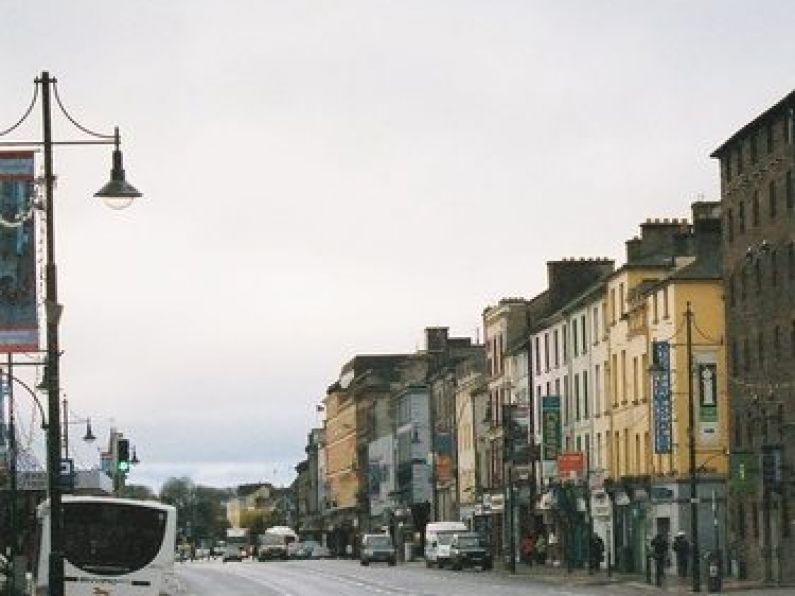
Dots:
(19, 331)
(552, 431)
(661, 387)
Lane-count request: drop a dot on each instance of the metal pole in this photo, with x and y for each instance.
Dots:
(12, 468)
(65, 428)
(512, 527)
(692, 441)
(52, 309)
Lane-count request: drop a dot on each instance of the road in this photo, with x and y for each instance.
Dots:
(348, 578)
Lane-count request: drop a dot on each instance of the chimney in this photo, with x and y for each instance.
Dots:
(571, 276)
(436, 339)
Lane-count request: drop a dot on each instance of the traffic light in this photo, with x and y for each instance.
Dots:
(123, 456)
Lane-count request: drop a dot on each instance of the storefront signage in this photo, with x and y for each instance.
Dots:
(571, 465)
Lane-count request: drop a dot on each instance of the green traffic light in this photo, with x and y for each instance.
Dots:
(124, 467)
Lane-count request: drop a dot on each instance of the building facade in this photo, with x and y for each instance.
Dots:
(756, 165)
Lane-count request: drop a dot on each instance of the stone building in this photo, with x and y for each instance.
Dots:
(756, 165)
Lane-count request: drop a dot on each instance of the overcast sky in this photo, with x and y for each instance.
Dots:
(323, 179)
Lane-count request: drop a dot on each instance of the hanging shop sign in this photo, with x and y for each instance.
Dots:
(551, 427)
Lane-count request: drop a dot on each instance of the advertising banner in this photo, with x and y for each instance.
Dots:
(661, 396)
(708, 402)
(18, 316)
(551, 437)
(517, 433)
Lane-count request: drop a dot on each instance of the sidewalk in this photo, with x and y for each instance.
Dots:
(581, 577)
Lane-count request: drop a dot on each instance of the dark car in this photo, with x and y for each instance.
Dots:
(377, 547)
(468, 550)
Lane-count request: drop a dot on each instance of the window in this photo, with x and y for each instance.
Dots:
(732, 289)
(654, 307)
(791, 261)
(556, 347)
(665, 302)
(597, 393)
(752, 144)
(741, 519)
(595, 325)
(621, 304)
(612, 306)
(735, 358)
(729, 225)
(546, 352)
(792, 339)
(738, 430)
(585, 393)
(743, 284)
(741, 217)
(770, 139)
(623, 376)
(755, 518)
(788, 190)
(577, 397)
(565, 343)
(635, 379)
(786, 129)
(771, 199)
(574, 339)
(538, 356)
(755, 209)
(727, 167)
(584, 339)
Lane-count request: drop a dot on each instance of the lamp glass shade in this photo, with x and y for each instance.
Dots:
(117, 193)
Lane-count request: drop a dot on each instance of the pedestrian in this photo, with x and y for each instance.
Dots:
(659, 547)
(597, 551)
(541, 549)
(527, 547)
(681, 547)
(552, 543)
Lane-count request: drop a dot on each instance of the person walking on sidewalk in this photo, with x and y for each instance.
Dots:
(659, 547)
(527, 547)
(682, 549)
(541, 549)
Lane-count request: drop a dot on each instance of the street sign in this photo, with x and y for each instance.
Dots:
(66, 475)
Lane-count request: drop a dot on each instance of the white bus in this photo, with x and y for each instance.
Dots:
(111, 546)
(274, 543)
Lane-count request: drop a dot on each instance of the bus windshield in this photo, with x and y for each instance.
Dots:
(112, 538)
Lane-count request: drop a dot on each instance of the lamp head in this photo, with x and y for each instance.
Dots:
(118, 193)
(89, 437)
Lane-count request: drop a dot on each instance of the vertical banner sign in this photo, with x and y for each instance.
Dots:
(516, 420)
(708, 402)
(4, 438)
(661, 388)
(18, 317)
(551, 439)
(444, 457)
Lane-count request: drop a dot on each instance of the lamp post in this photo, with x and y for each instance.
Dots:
(691, 435)
(117, 193)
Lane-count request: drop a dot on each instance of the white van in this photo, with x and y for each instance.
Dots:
(438, 536)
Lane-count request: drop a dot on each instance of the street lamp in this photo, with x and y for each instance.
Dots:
(118, 193)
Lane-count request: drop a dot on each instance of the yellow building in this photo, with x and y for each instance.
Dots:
(673, 264)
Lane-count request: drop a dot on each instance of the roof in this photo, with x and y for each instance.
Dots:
(777, 107)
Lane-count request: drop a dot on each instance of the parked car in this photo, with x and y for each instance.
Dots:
(378, 547)
(312, 549)
(468, 550)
